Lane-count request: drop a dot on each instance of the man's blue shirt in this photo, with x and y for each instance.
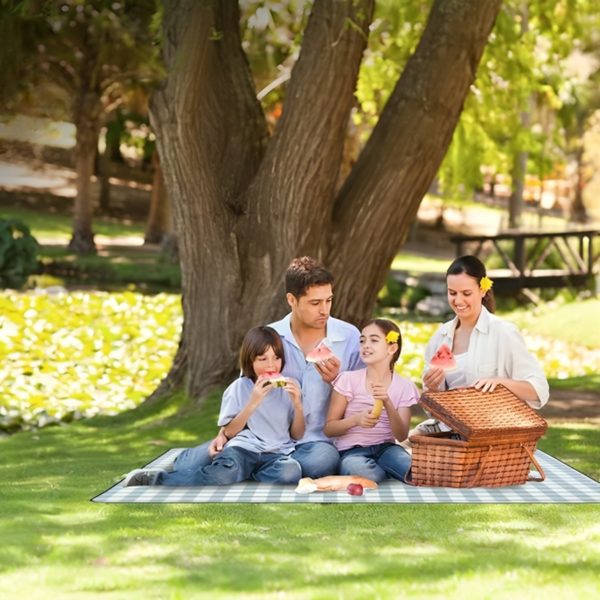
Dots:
(316, 394)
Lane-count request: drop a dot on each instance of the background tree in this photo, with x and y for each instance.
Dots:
(93, 51)
(245, 205)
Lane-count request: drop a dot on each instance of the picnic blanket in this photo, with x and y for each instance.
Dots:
(563, 484)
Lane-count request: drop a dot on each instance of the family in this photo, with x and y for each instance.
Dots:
(348, 413)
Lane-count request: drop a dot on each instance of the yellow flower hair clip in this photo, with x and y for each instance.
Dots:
(485, 284)
(392, 337)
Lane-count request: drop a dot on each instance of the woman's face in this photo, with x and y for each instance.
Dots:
(267, 362)
(464, 295)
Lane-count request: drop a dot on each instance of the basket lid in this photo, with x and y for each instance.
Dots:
(477, 415)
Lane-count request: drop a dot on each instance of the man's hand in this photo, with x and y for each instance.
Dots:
(328, 369)
(217, 444)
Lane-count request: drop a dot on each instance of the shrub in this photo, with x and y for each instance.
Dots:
(18, 253)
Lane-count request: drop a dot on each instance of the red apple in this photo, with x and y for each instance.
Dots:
(355, 489)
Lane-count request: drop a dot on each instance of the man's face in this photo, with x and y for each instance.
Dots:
(312, 309)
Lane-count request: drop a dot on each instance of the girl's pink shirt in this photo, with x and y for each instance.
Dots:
(352, 385)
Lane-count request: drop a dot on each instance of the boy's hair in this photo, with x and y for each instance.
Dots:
(386, 326)
(303, 273)
(255, 343)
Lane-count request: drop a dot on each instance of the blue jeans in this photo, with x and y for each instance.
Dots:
(318, 459)
(236, 464)
(377, 463)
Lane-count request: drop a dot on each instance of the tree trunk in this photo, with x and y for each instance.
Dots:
(87, 120)
(578, 210)
(242, 210)
(160, 217)
(103, 179)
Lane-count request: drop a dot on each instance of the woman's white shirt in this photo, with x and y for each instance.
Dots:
(496, 349)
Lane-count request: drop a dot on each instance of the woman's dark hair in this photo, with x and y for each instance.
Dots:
(386, 326)
(473, 267)
(255, 343)
(303, 273)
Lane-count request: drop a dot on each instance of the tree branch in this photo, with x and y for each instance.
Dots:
(380, 198)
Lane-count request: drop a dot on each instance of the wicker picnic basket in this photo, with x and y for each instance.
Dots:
(500, 431)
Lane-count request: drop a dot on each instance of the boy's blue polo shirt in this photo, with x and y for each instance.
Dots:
(316, 394)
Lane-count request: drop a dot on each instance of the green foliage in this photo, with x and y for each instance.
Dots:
(18, 253)
(391, 293)
(71, 356)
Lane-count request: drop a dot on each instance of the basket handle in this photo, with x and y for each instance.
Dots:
(480, 469)
(537, 466)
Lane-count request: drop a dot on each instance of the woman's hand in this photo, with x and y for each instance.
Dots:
(365, 420)
(293, 389)
(488, 384)
(434, 378)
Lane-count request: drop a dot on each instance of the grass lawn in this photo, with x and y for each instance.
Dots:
(574, 322)
(56, 544)
(419, 264)
(60, 227)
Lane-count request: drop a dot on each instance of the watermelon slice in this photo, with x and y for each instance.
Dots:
(320, 354)
(444, 358)
(277, 379)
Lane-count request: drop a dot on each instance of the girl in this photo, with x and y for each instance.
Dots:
(488, 350)
(367, 443)
(261, 422)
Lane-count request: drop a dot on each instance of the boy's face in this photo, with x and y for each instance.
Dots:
(312, 310)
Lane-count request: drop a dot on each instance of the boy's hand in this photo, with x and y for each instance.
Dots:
(328, 369)
(293, 389)
(261, 389)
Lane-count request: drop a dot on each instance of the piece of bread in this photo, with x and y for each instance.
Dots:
(333, 483)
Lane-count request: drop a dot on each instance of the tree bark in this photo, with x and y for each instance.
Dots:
(242, 210)
(379, 201)
(160, 217)
(87, 121)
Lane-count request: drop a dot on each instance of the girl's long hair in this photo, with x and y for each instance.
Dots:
(386, 326)
(473, 267)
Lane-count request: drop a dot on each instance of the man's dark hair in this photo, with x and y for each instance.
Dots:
(303, 273)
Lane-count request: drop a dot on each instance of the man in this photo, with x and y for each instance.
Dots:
(309, 294)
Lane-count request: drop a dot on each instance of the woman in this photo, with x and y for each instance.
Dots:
(488, 350)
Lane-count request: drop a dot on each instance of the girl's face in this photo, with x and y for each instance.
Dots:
(266, 362)
(373, 347)
(464, 295)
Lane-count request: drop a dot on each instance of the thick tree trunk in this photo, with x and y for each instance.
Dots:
(160, 212)
(243, 210)
(87, 120)
(379, 201)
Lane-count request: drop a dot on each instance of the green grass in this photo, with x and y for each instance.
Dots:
(419, 264)
(60, 227)
(118, 266)
(573, 322)
(586, 383)
(56, 544)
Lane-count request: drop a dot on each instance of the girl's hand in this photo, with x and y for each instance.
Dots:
(293, 389)
(379, 391)
(487, 384)
(434, 378)
(366, 420)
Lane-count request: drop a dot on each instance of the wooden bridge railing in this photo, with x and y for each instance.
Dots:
(575, 249)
